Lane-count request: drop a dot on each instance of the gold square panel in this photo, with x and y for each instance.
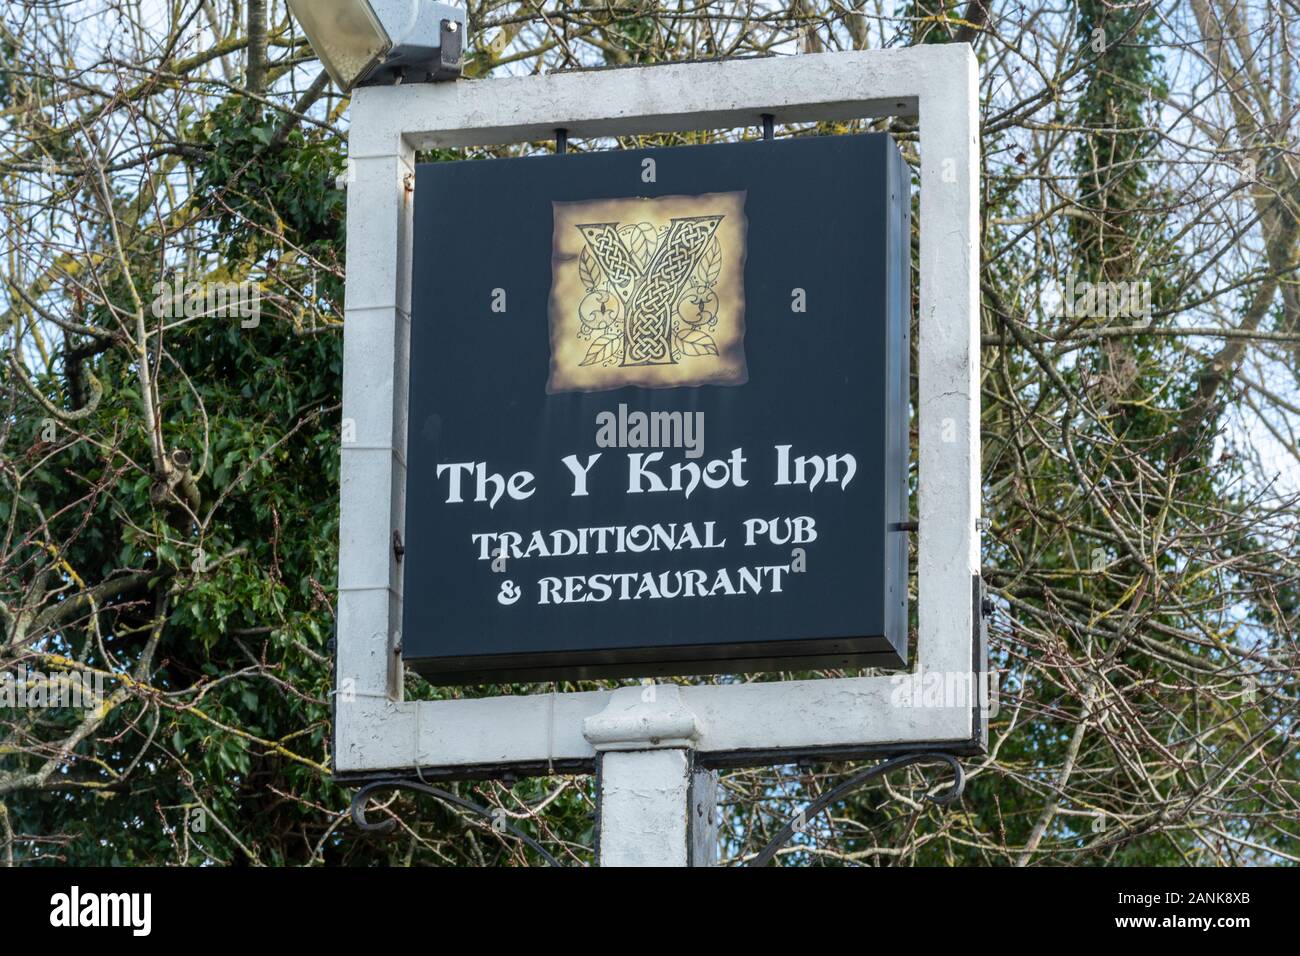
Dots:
(648, 292)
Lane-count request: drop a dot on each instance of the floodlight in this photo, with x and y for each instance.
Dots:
(364, 42)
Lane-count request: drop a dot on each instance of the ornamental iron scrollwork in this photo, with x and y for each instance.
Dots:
(497, 822)
(835, 794)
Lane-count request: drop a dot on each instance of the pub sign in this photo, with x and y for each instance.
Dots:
(658, 417)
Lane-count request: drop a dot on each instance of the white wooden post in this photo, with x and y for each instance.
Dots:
(648, 791)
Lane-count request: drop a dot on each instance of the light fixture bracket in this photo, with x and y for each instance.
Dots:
(427, 47)
(384, 42)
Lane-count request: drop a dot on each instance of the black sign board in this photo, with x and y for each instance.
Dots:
(658, 412)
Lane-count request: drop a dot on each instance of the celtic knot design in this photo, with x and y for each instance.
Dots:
(619, 265)
(649, 292)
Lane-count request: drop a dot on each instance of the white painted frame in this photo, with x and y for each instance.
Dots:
(375, 730)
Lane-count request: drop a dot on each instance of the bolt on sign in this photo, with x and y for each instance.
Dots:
(658, 415)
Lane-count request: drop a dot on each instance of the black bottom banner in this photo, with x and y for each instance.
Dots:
(344, 907)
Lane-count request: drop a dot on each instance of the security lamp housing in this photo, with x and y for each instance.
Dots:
(368, 42)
